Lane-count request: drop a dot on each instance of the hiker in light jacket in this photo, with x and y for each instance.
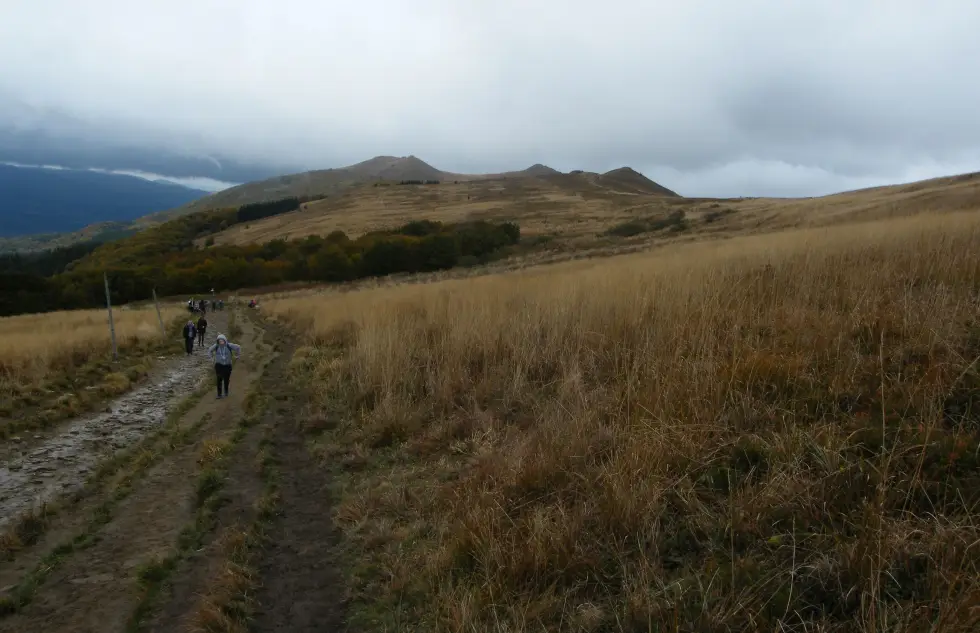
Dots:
(221, 351)
(189, 333)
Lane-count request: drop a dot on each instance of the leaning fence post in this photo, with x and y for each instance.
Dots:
(112, 327)
(156, 304)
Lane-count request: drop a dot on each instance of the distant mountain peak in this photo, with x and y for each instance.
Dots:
(415, 160)
(628, 179)
(624, 170)
(537, 169)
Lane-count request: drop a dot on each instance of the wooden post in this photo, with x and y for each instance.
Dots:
(163, 330)
(112, 327)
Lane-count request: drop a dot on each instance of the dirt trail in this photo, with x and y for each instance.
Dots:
(301, 590)
(94, 585)
(243, 487)
(95, 588)
(299, 586)
(59, 465)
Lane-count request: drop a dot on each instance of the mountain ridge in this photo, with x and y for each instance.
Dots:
(325, 182)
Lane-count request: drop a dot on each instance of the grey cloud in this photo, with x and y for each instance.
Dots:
(711, 97)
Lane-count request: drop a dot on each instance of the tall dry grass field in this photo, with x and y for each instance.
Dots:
(777, 433)
(50, 356)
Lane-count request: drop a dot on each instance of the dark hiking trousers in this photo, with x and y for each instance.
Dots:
(189, 342)
(223, 374)
(200, 336)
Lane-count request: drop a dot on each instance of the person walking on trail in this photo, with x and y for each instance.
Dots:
(221, 351)
(190, 332)
(202, 327)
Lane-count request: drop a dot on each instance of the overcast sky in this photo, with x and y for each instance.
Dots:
(724, 97)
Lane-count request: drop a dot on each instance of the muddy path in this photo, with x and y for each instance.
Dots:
(194, 600)
(301, 587)
(151, 548)
(45, 468)
(98, 583)
(291, 583)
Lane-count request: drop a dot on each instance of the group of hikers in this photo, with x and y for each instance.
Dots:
(202, 305)
(195, 331)
(221, 351)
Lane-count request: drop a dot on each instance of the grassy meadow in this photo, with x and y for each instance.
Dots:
(56, 364)
(575, 213)
(770, 433)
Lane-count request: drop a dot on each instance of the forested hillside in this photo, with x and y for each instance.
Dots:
(165, 258)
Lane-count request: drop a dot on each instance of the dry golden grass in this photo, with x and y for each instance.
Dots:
(55, 356)
(704, 219)
(32, 346)
(542, 206)
(772, 433)
(938, 195)
(220, 608)
(577, 211)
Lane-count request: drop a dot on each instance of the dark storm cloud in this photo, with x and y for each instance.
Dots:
(711, 97)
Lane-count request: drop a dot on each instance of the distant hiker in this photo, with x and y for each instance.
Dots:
(221, 351)
(204, 306)
(202, 327)
(189, 333)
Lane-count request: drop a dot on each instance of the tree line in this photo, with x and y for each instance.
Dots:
(168, 258)
(45, 263)
(259, 210)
